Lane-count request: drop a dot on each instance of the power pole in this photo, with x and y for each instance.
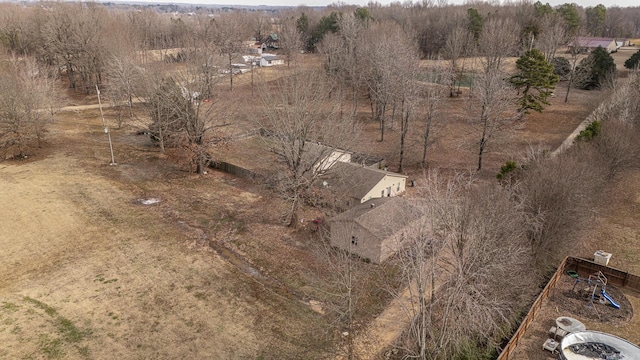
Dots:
(106, 128)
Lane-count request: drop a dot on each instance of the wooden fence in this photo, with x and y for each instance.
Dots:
(535, 308)
(584, 268)
(620, 278)
(236, 170)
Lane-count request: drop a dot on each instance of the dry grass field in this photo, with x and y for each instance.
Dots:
(89, 271)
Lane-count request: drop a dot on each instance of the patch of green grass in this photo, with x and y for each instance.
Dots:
(51, 347)
(9, 306)
(47, 309)
(69, 331)
(101, 278)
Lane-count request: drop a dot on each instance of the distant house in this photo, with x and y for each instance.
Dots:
(270, 60)
(375, 229)
(271, 41)
(588, 44)
(253, 48)
(355, 184)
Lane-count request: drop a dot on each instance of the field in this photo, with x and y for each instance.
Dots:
(104, 261)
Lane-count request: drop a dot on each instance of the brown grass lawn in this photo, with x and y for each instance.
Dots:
(90, 272)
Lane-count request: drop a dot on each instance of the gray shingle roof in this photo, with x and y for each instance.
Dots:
(355, 180)
(386, 217)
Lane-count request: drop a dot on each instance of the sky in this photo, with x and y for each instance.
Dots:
(584, 3)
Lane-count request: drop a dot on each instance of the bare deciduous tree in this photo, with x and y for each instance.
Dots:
(555, 210)
(230, 32)
(575, 76)
(455, 268)
(493, 107)
(457, 47)
(553, 36)
(290, 40)
(343, 293)
(430, 96)
(299, 114)
(122, 75)
(185, 114)
(26, 107)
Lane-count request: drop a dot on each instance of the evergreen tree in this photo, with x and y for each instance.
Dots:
(596, 17)
(327, 24)
(570, 14)
(596, 69)
(535, 81)
(474, 23)
(633, 62)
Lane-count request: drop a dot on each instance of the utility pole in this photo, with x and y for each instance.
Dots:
(106, 128)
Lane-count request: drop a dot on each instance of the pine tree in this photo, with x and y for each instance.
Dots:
(598, 69)
(535, 81)
(633, 62)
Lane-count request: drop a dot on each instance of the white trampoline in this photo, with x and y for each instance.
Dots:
(589, 345)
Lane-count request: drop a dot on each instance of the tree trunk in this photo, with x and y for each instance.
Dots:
(230, 75)
(425, 145)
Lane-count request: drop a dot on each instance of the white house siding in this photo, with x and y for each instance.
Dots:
(396, 185)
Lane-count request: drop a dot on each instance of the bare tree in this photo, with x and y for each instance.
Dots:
(458, 299)
(343, 292)
(555, 210)
(496, 42)
(75, 36)
(493, 98)
(26, 107)
(290, 40)
(618, 145)
(122, 75)
(493, 107)
(298, 114)
(457, 46)
(230, 31)
(383, 76)
(186, 115)
(430, 97)
(553, 36)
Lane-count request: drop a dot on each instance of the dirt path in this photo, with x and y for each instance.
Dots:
(384, 330)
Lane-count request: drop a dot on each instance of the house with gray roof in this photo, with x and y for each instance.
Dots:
(354, 184)
(375, 229)
(588, 44)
